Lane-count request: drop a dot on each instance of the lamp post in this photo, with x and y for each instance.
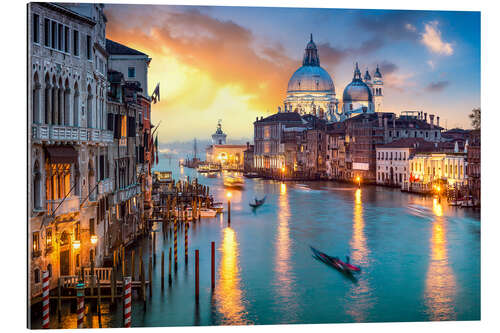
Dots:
(283, 172)
(358, 179)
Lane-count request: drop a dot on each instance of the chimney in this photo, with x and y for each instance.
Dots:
(437, 121)
(431, 118)
(425, 117)
(256, 118)
(393, 121)
(261, 117)
(379, 120)
(248, 145)
(385, 123)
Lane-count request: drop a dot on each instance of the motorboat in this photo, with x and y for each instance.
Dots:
(234, 181)
(207, 212)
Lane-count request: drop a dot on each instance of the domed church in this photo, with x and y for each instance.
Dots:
(311, 91)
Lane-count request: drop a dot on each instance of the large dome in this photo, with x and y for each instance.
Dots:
(310, 78)
(357, 90)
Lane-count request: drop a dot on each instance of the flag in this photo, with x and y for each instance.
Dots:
(156, 93)
(156, 148)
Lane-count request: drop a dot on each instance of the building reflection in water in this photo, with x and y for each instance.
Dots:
(284, 282)
(228, 293)
(360, 293)
(440, 285)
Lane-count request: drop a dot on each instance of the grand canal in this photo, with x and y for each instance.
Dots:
(420, 260)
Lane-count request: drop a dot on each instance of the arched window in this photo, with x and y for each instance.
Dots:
(37, 187)
(60, 103)
(47, 100)
(54, 99)
(36, 99)
(76, 106)
(66, 108)
(90, 120)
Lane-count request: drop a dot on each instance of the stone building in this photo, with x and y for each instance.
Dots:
(68, 138)
(392, 164)
(474, 164)
(132, 65)
(428, 168)
(229, 156)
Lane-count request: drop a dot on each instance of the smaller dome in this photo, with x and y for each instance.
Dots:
(357, 90)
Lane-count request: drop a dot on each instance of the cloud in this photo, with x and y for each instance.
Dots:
(431, 64)
(437, 86)
(431, 38)
(387, 67)
(332, 56)
(410, 27)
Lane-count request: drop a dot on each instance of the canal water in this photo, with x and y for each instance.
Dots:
(419, 259)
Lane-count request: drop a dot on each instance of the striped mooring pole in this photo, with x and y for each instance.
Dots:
(45, 304)
(127, 302)
(186, 244)
(80, 310)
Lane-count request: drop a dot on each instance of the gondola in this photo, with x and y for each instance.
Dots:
(335, 262)
(258, 202)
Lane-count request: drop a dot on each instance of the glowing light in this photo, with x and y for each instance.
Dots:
(93, 239)
(283, 169)
(228, 293)
(229, 195)
(283, 188)
(76, 244)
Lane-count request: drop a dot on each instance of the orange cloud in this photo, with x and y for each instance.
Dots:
(206, 68)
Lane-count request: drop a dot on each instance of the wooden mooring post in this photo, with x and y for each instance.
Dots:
(99, 302)
(162, 270)
(169, 266)
(132, 265)
(197, 275)
(150, 273)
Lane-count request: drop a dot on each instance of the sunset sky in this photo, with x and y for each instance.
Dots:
(234, 63)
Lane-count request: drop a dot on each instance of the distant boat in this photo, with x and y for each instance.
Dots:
(335, 262)
(251, 175)
(206, 212)
(218, 206)
(258, 202)
(208, 168)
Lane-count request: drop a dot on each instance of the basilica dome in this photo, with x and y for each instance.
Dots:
(311, 76)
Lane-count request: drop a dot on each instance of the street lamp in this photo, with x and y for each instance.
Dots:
(93, 239)
(358, 179)
(282, 172)
(76, 244)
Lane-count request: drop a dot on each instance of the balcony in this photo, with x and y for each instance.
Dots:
(128, 192)
(106, 186)
(60, 133)
(70, 205)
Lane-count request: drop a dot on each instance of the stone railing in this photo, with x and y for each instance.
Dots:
(70, 133)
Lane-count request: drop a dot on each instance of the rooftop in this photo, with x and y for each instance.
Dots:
(115, 48)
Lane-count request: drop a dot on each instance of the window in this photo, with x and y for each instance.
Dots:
(37, 275)
(36, 28)
(46, 32)
(66, 39)
(77, 231)
(53, 43)
(49, 269)
(76, 43)
(124, 126)
(131, 72)
(60, 37)
(77, 260)
(89, 48)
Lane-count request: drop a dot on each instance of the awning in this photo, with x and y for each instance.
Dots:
(62, 154)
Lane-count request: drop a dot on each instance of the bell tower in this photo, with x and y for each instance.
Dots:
(378, 90)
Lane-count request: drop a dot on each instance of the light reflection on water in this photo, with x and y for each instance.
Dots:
(228, 293)
(440, 285)
(360, 292)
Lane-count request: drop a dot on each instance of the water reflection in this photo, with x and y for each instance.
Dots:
(360, 292)
(228, 293)
(284, 276)
(440, 285)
